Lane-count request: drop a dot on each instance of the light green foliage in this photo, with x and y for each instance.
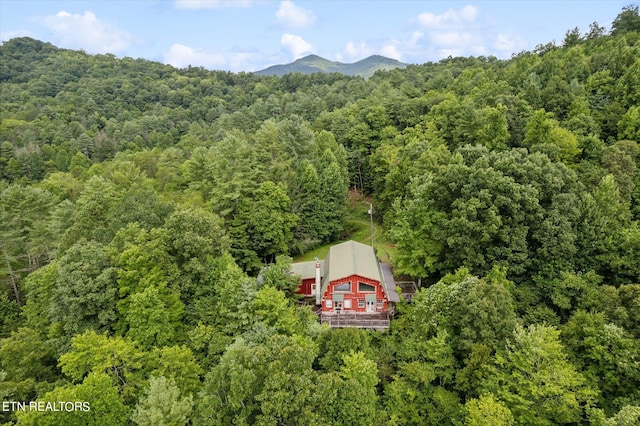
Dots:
(39, 287)
(128, 366)
(79, 165)
(603, 218)
(260, 384)
(492, 130)
(486, 411)
(628, 415)
(162, 405)
(539, 128)
(148, 321)
(105, 405)
(278, 275)
(357, 398)
(567, 142)
(629, 124)
(606, 354)
(117, 357)
(272, 307)
(535, 380)
(233, 299)
(358, 367)
(177, 363)
(143, 263)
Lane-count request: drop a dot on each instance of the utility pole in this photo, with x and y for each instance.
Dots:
(371, 223)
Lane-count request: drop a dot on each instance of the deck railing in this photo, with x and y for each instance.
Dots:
(371, 321)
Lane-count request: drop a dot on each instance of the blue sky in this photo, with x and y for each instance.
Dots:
(249, 35)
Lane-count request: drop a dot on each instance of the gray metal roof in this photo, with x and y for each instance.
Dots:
(352, 258)
(307, 270)
(389, 283)
(346, 259)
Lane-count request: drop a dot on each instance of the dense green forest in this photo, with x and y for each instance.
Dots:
(138, 202)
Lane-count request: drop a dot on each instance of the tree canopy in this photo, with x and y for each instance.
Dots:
(149, 217)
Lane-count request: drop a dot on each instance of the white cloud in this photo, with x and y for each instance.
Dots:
(181, 56)
(355, 51)
(87, 32)
(449, 18)
(210, 4)
(294, 16)
(416, 36)
(8, 35)
(509, 43)
(455, 32)
(391, 50)
(451, 38)
(296, 45)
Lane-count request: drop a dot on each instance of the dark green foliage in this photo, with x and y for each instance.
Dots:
(260, 384)
(85, 292)
(262, 227)
(628, 20)
(335, 343)
(137, 199)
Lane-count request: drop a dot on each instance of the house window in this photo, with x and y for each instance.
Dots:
(379, 304)
(328, 303)
(345, 287)
(347, 303)
(360, 303)
(364, 288)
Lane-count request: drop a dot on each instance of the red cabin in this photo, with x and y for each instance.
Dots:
(355, 290)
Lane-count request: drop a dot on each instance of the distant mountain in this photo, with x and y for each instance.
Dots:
(314, 63)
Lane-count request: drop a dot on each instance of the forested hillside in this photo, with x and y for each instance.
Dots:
(138, 202)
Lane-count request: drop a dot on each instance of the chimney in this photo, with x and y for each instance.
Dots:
(318, 283)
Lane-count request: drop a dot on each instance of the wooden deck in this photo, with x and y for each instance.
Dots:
(409, 289)
(375, 321)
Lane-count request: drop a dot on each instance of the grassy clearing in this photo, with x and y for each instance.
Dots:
(358, 228)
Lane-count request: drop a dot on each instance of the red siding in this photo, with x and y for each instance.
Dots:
(305, 286)
(355, 295)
